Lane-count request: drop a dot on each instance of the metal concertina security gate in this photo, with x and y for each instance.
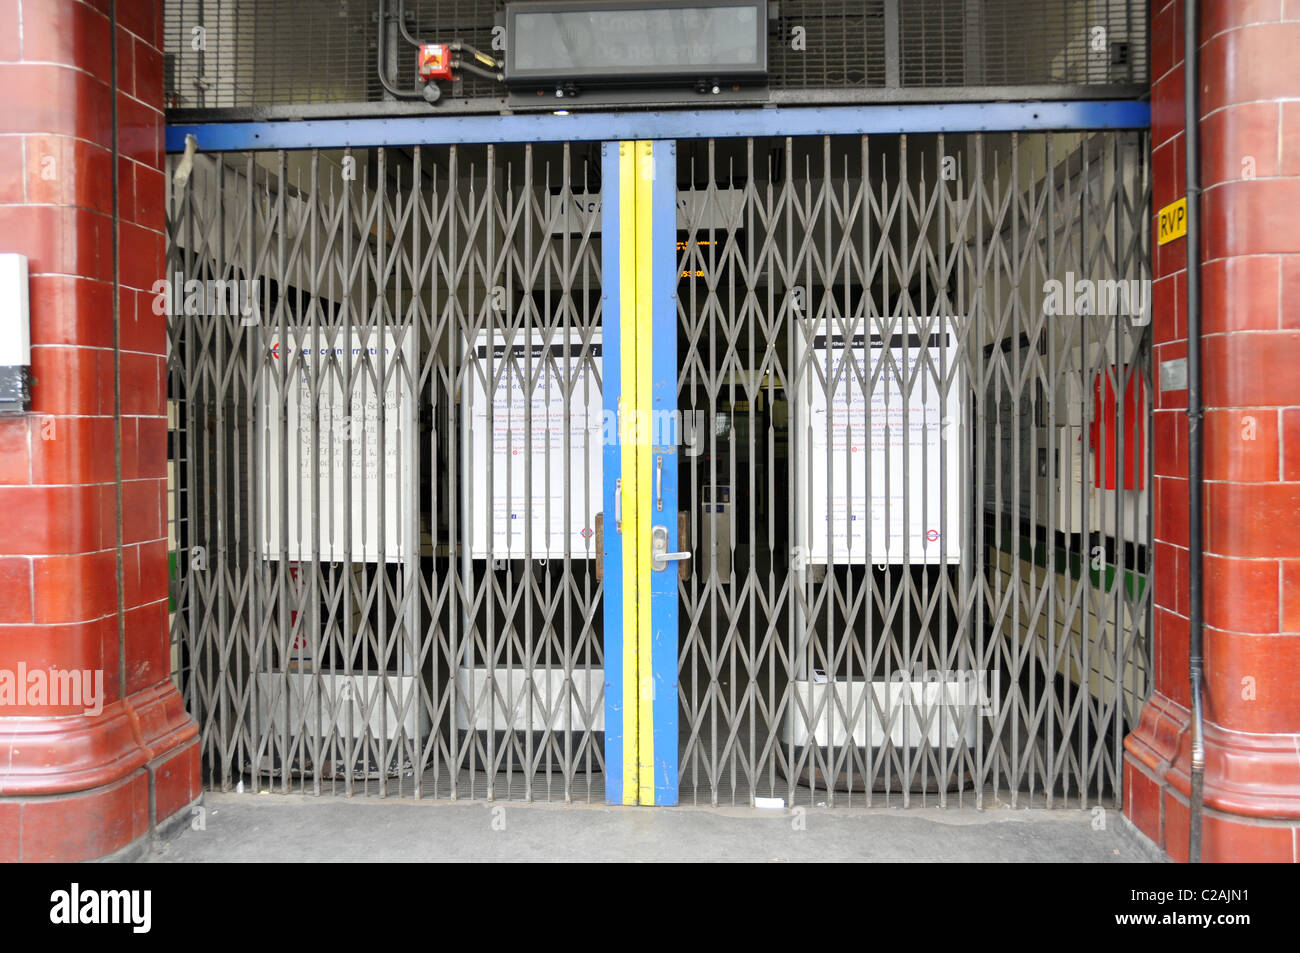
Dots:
(901, 392)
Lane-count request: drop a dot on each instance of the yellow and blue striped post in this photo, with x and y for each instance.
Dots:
(638, 242)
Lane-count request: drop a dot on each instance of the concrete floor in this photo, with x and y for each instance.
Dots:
(274, 827)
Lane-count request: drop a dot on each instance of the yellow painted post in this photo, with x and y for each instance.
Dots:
(628, 347)
(645, 174)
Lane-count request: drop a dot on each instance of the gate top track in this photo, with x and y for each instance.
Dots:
(674, 124)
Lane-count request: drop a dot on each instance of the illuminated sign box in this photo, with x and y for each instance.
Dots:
(594, 43)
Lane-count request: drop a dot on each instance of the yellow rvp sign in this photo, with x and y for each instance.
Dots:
(1172, 222)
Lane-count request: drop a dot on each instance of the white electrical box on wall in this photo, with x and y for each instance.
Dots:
(15, 333)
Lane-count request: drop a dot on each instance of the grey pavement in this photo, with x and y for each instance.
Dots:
(276, 827)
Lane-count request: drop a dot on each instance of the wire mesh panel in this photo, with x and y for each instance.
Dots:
(386, 370)
(1009, 42)
(828, 44)
(917, 490)
(224, 54)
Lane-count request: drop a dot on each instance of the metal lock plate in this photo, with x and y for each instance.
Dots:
(660, 557)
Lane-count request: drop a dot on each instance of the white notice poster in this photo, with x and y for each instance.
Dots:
(344, 429)
(894, 461)
(545, 446)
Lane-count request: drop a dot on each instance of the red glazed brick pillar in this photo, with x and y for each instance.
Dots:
(99, 750)
(1250, 175)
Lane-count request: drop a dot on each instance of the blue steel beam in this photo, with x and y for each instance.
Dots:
(674, 124)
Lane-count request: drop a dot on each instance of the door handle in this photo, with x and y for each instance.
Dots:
(660, 557)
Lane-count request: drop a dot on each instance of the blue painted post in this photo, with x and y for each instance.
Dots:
(664, 457)
(611, 468)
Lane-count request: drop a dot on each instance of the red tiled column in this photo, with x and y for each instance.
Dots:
(1250, 145)
(77, 785)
